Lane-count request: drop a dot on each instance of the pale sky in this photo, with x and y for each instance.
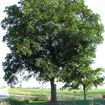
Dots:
(98, 6)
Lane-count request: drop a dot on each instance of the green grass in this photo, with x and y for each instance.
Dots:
(37, 92)
(84, 102)
(21, 101)
(28, 92)
(43, 100)
(79, 102)
(2, 87)
(29, 101)
(37, 102)
(96, 93)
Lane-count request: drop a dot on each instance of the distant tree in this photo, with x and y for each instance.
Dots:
(46, 37)
(87, 79)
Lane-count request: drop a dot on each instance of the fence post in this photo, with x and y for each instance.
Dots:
(49, 97)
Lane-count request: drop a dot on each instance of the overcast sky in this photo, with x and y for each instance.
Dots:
(98, 6)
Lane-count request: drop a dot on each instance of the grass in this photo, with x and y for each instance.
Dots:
(30, 101)
(39, 100)
(84, 102)
(28, 92)
(21, 101)
(37, 92)
(2, 87)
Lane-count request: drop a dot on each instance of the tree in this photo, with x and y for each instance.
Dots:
(46, 37)
(88, 79)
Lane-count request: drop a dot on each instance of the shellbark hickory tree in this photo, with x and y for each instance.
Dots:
(46, 35)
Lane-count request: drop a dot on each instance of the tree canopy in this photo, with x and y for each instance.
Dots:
(87, 78)
(49, 37)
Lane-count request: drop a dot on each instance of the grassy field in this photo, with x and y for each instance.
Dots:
(32, 92)
(46, 92)
(30, 101)
(37, 92)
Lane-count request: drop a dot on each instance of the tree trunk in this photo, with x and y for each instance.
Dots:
(84, 91)
(53, 91)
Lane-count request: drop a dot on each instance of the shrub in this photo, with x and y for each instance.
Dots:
(40, 98)
(4, 103)
(16, 101)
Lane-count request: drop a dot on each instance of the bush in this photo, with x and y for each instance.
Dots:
(4, 103)
(40, 98)
(16, 101)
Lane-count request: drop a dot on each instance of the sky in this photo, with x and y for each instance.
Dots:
(97, 6)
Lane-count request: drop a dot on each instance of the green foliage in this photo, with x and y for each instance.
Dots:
(16, 101)
(41, 98)
(48, 38)
(87, 79)
(47, 35)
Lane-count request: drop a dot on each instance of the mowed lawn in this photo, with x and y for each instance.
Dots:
(46, 92)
